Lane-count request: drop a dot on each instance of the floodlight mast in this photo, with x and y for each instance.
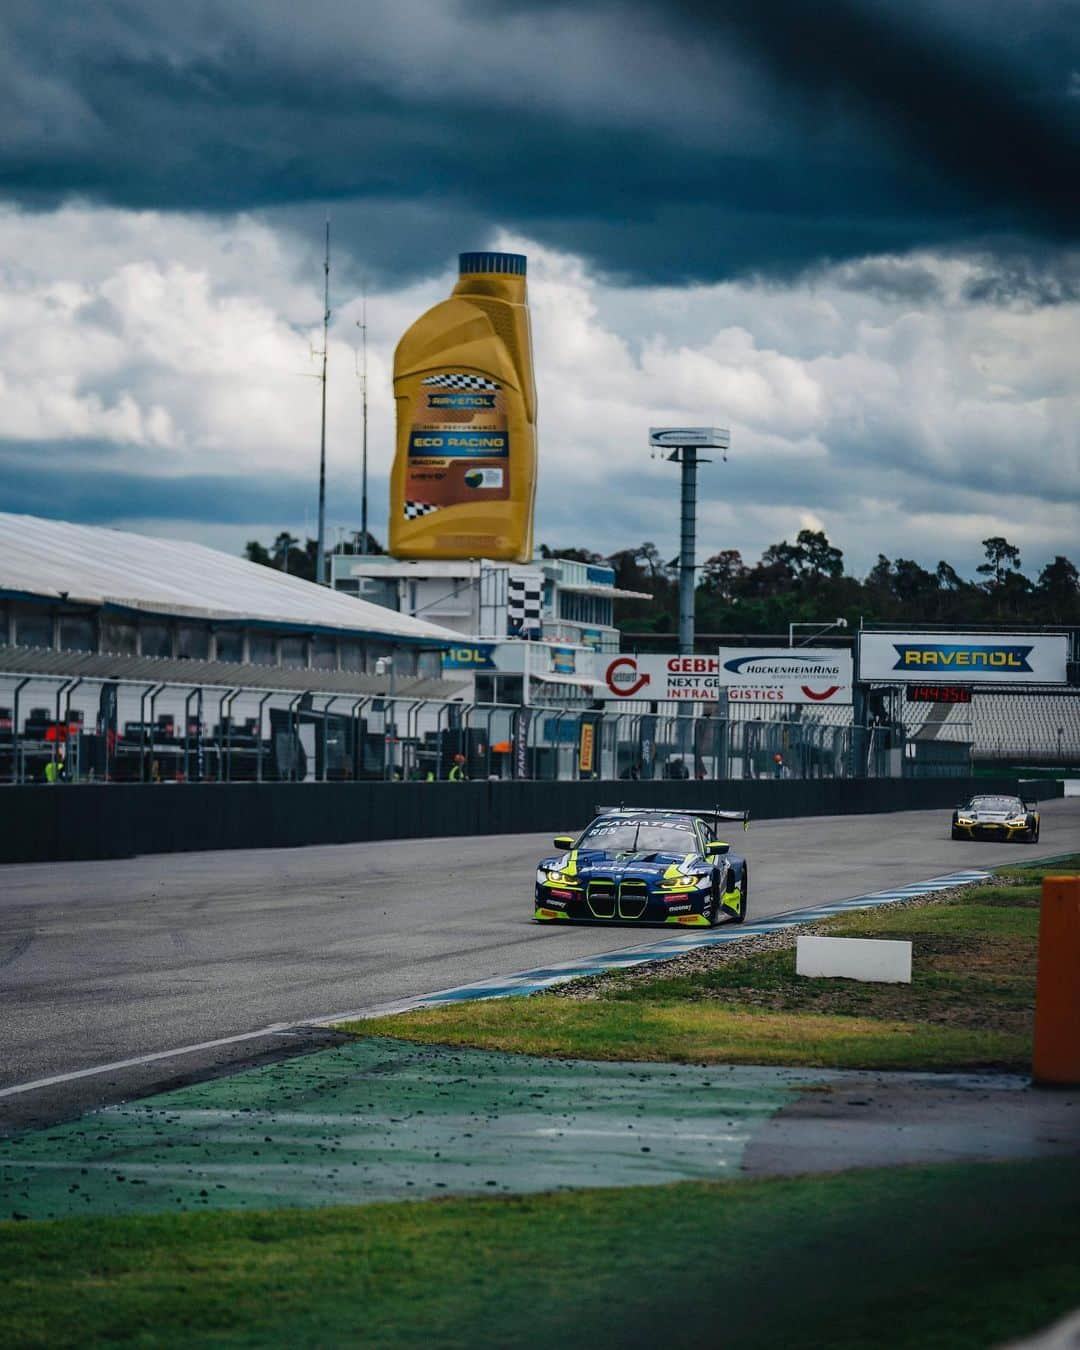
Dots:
(684, 443)
(320, 556)
(362, 325)
(363, 508)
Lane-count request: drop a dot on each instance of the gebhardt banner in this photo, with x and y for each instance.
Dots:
(662, 677)
(800, 675)
(786, 674)
(963, 658)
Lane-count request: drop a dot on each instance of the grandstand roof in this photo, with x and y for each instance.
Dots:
(46, 663)
(90, 565)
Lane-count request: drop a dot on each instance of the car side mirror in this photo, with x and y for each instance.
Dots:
(716, 848)
(563, 841)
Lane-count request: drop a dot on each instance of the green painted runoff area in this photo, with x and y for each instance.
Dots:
(381, 1119)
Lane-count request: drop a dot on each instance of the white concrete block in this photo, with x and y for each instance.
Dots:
(878, 960)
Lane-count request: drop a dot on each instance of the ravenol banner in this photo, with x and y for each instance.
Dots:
(470, 656)
(963, 658)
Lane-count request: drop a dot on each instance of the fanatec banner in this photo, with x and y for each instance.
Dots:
(963, 658)
(786, 674)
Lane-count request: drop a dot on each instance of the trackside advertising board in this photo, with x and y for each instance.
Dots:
(786, 674)
(798, 675)
(687, 678)
(963, 658)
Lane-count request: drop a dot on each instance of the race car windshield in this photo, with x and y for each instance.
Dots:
(996, 804)
(640, 836)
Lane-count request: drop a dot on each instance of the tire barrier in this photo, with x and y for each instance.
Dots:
(69, 822)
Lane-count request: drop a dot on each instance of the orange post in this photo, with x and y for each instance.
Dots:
(1057, 992)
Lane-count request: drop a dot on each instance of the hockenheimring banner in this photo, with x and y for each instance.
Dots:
(786, 674)
(963, 658)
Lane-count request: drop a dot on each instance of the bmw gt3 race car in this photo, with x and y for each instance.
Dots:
(996, 818)
(638, 865)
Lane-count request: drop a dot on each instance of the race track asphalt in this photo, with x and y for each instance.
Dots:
(105, 961)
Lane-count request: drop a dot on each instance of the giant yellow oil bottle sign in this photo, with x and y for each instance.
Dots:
(463, 483)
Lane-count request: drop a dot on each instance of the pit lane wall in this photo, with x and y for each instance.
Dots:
(68, 822)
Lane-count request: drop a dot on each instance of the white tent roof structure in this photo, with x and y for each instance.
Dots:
(90, 565)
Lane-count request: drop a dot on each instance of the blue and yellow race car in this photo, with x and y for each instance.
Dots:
(639, 865)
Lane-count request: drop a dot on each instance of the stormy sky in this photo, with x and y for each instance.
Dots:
(849, 232)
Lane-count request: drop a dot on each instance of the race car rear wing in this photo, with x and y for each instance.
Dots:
(715, 814)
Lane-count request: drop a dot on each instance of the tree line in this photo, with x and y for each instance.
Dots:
(287, 554)
(792, 583)
(805, 581)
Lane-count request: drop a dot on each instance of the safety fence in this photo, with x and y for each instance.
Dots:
(57, 730)
(120, 820)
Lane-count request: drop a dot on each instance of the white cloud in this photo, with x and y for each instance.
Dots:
(875, 400)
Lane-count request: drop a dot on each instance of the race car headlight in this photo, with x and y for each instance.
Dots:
(1018, 820)
(688, 881)
(689, 875)
(545, 875)
(964, 820)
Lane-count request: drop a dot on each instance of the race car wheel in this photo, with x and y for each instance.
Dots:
(956, 834)
(741, 916)
(716, 908)
(1033, 835)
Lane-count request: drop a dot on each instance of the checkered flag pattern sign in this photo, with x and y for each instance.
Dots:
(460, 382)
(414, 510)
(525, 598)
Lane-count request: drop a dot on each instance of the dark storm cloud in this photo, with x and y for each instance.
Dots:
(961, 106)
(45, 479)
(1026, 276)
(667, 143)
(889, 279)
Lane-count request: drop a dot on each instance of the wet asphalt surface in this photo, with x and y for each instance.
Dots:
(104, 961)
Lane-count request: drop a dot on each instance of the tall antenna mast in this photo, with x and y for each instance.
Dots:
(320, 557)
(363, 460)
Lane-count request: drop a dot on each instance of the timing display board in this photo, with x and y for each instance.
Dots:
(939, 693)
(963, 658)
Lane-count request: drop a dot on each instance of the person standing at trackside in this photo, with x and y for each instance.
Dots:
(457, 770)
(56, 769)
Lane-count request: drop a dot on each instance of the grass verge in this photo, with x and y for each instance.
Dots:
(699, 1032)
(960, 1256)
(969, 1006)
(1067, 866)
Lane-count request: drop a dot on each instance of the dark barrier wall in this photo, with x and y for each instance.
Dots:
(65, 822)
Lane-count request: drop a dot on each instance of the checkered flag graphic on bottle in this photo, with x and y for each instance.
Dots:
(414, 510)
(460, 382)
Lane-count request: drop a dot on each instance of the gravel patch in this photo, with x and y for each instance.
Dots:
(591, 987)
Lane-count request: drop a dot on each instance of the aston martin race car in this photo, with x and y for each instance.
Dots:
(638, 865)
(996, 818)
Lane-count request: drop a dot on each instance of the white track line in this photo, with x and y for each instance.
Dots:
(145, 1059)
